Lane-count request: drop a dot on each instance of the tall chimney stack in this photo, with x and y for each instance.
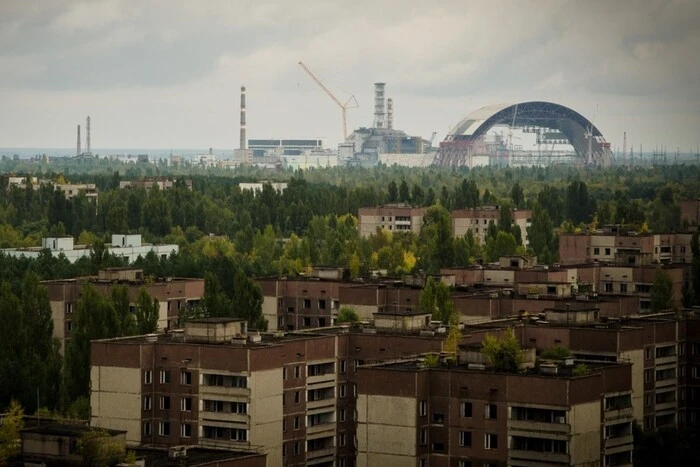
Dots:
(77, 151)
(390, 113)
(242, 144)
(87, 138)
(379, 105)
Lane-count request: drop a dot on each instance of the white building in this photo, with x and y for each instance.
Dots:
(125, 246)
(279, 187)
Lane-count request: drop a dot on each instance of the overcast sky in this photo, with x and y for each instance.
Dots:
(166, 73)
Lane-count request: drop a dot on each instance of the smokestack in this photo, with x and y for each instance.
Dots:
(242, 143)
(379, 105)
(77, 152)
(87, 138)
(390, 113)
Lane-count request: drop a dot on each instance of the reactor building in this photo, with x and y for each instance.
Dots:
(382, 143)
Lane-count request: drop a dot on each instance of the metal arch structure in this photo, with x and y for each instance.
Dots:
(463, 140)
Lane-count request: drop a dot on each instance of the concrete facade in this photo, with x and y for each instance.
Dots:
(478, 219)
(391, 217)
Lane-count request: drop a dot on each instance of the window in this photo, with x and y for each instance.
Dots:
(296, 448)
(490, 441)
(623, 288)
(307, 321)
(296, 397)
(164, 402)
(342, 390)
(341, 415)
(607, 252)
(465, 409)
(465, 464)
(608, 287)
(647, 400)
(341, 439)
(186, 378)
(647, 376)
(648, 352)
(423, 437)
(465, 439)
(491, 412)
(296, 423)
(423, 408)
(164, 376)
(321, 304)
(147, 403)
(439, 418)
(596, 251)
(186, 430)
(69, 326)
(238, 434)
(307, 303)
(284, 374)
(280, 322)
(284, 425)
(147, 377)
(164, 428)
(186, 404)
(438, 447)
(297, 372)
(343, 366)
(284, 450)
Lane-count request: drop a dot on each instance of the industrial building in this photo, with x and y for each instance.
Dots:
(553, 125)
(127, 246)
(383, 143)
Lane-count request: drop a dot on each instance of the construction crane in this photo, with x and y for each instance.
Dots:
(343, 107)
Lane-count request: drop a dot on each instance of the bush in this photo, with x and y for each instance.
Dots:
(503, 353)
(555, 353)
(347, 315)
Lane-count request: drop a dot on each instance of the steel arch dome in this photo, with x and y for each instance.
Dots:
(536, 114)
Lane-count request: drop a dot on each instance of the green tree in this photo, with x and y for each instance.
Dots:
(516, 195)
(13, 348)
(393, 193)
(122, 306)
(99, 448)
(661, 291)
(503, 245)
(503, 353)
(95, 318)
(147, 312)
(43, 360)
(541, 234)
(10, 428)
(436, 299)
(247, 301)
(436, 244)
(214, 301)
(695, 266)
(347, 315)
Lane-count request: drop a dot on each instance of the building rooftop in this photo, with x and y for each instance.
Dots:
(59, 429)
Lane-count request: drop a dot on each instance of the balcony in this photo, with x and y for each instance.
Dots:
(323, 428)
(672, 405)
(329, 402)
(223, 391)
(626, 412)
(666, 382)
(624, 440)
(224, 417)
(319, 455)
(533, 426)
(554, 457)
(659, 361)
(322, 378)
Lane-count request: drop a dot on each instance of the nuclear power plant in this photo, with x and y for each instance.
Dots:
(88, 151)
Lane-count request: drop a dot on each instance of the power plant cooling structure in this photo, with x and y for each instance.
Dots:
(77, 151)
(390, 113)
(379, 105)
(242, 144)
